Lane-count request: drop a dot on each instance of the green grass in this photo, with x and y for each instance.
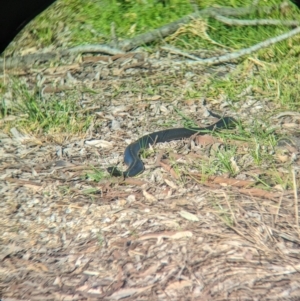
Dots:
(278, 82)
(96, 175)
(75, 22)
(256, 153)
(57, 115)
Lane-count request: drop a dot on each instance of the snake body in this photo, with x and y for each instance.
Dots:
(131, 154)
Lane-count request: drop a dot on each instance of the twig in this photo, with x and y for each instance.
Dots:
(113, 33)
(237, 54)
(170, 28)
(134, 65)
(277, 211)
(109, 49)
(30, 59)
(295, 196)
(175, 50)
(256, 22)
(125, 45)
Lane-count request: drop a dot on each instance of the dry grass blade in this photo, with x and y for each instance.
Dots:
(295, 197)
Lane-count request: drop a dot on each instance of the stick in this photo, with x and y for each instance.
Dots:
(256, 22)
(237, 54)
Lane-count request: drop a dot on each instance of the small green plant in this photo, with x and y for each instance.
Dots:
(3, 109)
(146, 152)
(96, 175)
(64, 190)
(100, 238)
(224, 160)
(223, 213)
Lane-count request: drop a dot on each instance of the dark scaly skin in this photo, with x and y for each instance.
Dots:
(131, 154)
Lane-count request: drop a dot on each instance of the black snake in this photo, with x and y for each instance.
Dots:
(131, 154)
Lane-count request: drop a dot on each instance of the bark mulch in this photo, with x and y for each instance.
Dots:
(168, 234)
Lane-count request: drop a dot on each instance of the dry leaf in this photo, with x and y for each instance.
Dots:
(282, 158)
(120, 109)
(234, 165)
(182, 234)
(189, 216)
(178, 285)
(149, 196)
(155, 97)
(58, 70)
(151, 270)
(28, 50)
(167, 234)
(171, 184)
(279, 187)
(99, 143)
(291, 125)
(169, 169)
(127, 292)
(223, 181)
(204, 140)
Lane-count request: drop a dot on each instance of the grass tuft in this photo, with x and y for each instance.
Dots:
(38, 115)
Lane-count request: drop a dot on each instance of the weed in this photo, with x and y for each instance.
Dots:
(96, 175)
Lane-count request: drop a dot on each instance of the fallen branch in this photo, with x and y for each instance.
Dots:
(30, 59)
(237, 54)
(170, 28)
(157, 34)
(236, 22)
(123, 46)
(175, 50)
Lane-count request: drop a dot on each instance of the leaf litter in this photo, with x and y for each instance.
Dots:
(173, 232)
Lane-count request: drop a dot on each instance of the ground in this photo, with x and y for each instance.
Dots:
(165, 235)
(213, 217)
